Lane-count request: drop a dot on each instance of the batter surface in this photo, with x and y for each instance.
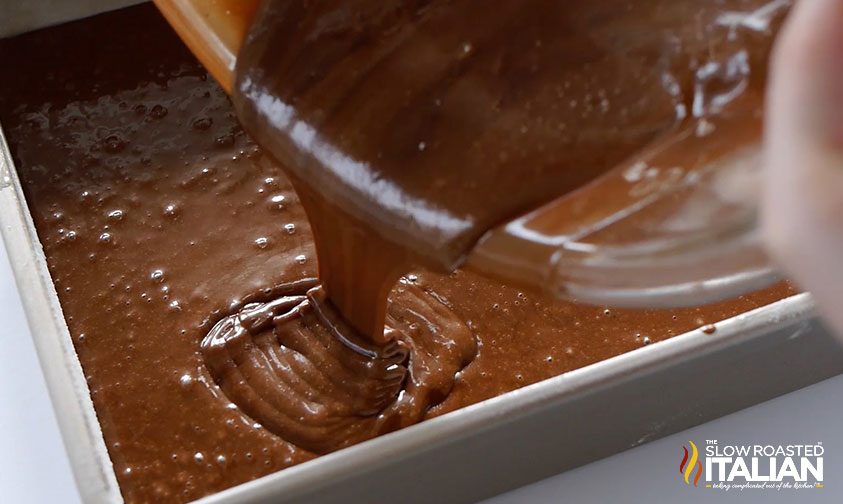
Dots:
(162, 222)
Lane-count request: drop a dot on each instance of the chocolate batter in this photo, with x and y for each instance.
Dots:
(409, 129)
(163, 224)
(430, 122)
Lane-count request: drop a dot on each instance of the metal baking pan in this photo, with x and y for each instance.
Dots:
(480, 450)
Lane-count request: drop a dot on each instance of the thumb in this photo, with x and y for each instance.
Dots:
(802, 205)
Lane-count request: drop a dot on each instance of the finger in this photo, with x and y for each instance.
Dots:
(802, 207)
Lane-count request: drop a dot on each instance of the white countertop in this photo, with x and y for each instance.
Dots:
(34, 467)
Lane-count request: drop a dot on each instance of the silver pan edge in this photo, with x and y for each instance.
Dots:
(66, 383)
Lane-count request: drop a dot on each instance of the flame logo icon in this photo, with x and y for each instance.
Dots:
(686, 467)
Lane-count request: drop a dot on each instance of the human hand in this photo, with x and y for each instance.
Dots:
(802, 205)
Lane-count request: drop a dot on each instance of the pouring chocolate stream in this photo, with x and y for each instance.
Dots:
(614, 241)
(414, 132)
